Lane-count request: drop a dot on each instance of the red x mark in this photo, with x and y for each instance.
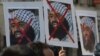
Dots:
(59, 22)
(23, 31)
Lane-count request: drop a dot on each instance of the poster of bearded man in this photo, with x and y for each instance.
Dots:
(23, 22)
(87, 25)
(60, 23)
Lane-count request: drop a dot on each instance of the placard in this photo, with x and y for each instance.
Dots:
(87, 25)
(60, 23)
(23, 22)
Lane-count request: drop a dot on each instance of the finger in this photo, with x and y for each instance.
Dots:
(63, 51)
(62, 54)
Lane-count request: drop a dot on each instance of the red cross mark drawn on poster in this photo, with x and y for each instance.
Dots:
(59, 22)
(23, 31)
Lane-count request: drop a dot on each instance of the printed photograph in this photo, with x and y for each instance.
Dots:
(23, 25)
(59, 27)
(88, 32)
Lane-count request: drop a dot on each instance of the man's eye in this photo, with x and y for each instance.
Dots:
(13, 25)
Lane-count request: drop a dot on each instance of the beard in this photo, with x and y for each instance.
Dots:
(54, 23)
(89, 44)
(14, 38)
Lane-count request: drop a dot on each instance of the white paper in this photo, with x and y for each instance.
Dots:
(61, 38)
(24, 11)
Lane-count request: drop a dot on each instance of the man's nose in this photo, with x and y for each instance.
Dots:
(17, 29)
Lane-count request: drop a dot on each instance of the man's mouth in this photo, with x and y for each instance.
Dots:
(54, 23)
(17, 34)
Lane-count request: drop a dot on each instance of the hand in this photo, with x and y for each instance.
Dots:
(62, 52)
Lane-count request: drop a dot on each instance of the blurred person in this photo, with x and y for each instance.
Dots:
(33, 49)
(41, 49)
(97, 51)
(2, 43)
(17, 50)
